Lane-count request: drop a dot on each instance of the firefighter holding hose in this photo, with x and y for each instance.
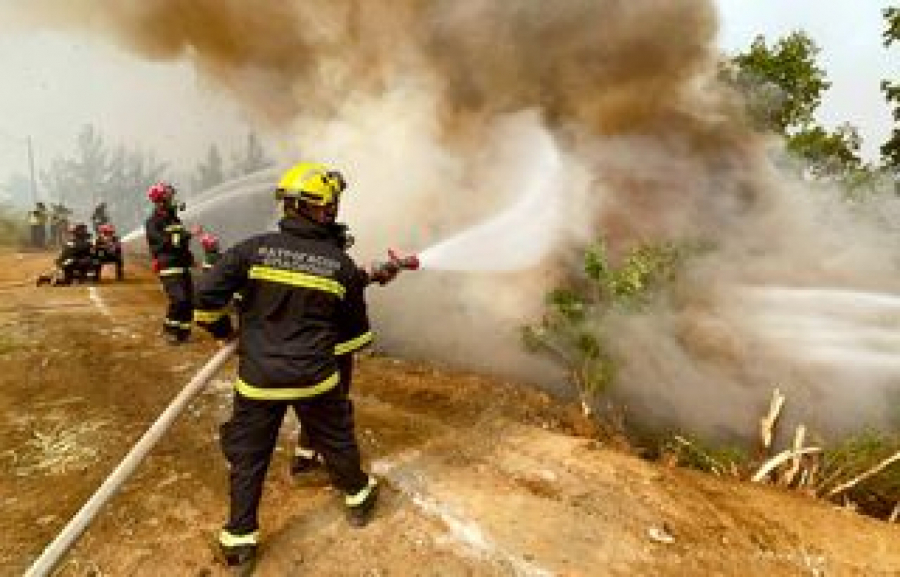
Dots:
(169, 244)
(306, 462)
(302, 299)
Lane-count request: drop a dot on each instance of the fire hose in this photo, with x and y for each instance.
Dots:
(48, 560)
(382, 272)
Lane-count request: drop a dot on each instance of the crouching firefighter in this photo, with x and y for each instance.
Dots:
(77, 261)
(108, 249)
(169, 244)
(301, 295)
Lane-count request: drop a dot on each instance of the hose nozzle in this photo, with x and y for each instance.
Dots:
(408, 262)
(385, 272)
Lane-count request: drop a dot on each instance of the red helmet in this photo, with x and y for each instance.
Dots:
(160, 192)
(106, 229)
(209, 241)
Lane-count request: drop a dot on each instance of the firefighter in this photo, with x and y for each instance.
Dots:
(77, 261)
(37, 220)
(99, 217)
(108, 250)
(211, 251)
(306, 462)
(169, 243)
(302, 296)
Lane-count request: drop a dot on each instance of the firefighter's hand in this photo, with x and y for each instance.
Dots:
(383, 273)
(224, 341)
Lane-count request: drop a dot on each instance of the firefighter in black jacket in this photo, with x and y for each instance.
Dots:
(77, 260)
(169, 243)
(306, 461)
(302, 296)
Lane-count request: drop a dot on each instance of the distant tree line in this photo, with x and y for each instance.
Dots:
(97, 171)
(246, 160)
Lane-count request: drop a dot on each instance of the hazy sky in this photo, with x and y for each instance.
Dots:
(849, 34)
(52, 84)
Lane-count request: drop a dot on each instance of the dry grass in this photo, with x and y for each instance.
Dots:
(58, 449)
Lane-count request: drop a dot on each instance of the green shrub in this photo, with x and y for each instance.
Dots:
(571, 329)
(876, 495)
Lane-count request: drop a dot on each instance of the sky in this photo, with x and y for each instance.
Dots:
(54, 83)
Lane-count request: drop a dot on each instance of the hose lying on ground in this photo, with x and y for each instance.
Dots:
(45, 564)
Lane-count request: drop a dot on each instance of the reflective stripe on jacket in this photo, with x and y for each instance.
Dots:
(301, 299)
(169, 242)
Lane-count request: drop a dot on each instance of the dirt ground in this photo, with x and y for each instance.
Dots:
(481, 477)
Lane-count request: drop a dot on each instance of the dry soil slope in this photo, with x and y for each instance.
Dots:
(481, 477)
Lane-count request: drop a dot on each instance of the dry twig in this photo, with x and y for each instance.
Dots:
(894, 514)
(870, 473)
(779, 459)
(767, 423)
(791, 473)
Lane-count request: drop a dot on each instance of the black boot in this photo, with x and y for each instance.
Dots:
(360, 514)
(307, 468)
(240, 556)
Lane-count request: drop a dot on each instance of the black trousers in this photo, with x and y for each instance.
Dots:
(179, 289)
(249, 438)
(345, 367)
(80, 270)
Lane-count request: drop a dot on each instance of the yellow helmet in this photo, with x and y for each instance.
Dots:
(311, 182)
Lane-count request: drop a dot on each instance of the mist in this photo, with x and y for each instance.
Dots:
(426, 107)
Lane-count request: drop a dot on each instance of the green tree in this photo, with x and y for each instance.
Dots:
(784, 82)
(120, 177)
(139, 170)
(828, 154)
(783, 85)
(57, 180)
(209, 172)
(570, 331)
(251, 158)
(890, 150)
(89, 167)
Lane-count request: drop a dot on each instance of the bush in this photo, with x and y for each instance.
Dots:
(843, 462)
(571, 330)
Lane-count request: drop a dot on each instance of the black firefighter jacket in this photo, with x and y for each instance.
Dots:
(302, 304)
(169, 243)
(77, 253)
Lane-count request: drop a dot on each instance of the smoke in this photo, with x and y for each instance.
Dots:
(418, 102)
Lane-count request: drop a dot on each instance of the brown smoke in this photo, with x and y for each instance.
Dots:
(612, 64)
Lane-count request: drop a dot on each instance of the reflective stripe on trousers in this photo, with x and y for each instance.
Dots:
(228, 539)
(358, 499)
(286, 394)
